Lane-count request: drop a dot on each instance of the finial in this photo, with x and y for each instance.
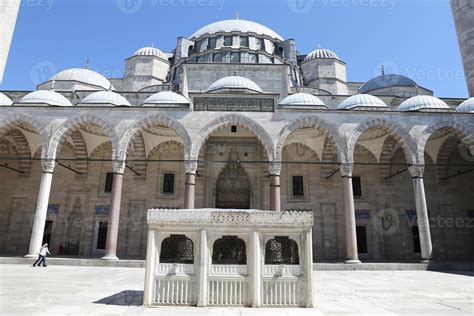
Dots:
(417, 89)
(110, 87)
(383, 70)
(235, 72)
(87, 64)
(237, 15)
(52, 84)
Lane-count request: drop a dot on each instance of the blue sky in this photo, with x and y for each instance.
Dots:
(415, 38)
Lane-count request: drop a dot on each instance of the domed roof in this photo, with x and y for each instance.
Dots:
(84, 76)
(466, 106)
(385, 81)
(362, 100)
(4, 100)
(423, 102)
(165, 97)
(242, 26)
(151, 51)
(45, 97)
(234, 82)
(301, 98)
(105, 98)
(321, 54)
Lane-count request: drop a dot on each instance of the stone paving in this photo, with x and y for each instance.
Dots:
(101, 290)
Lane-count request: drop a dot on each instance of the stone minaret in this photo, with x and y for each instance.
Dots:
(463, 12)
(8, 13)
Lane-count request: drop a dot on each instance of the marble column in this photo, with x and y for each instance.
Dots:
(203, 270)
(426, 246)
(151, 256)
(352, 255)
(114, 212)
(41, 208)
(308, 267)
(189, 193)
(275, 198)
(256, 269)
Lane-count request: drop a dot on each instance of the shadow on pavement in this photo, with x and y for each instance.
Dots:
(124, 298)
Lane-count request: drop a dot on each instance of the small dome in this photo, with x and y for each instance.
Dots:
(301, 98)
(467, 106)
(321, 54)
(165, 97)
(104, 98)
(386, 81)
(243, 26)
(234, 82)
(86, 76)
(423, 102)
(362, 101)
(151, 51)
(4, 100)
(45, 97)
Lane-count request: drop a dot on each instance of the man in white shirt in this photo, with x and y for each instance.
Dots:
(42, 256)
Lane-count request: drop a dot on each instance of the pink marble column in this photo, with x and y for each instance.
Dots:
(352, 255)
(114, 212)
(426, 245)
(41, 208)
(275, 198)
(189, 193)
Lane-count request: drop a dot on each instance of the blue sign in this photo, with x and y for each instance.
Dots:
(411, 215)
(363, 215)
(53, 208)
(102, 210)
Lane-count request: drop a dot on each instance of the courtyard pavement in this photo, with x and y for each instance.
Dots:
(107, 290)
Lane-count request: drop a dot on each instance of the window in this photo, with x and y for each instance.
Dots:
(253, 58)
(48, 228)
(244, 41)
(109, 181)
(101, 236)
(298, 187)
(260, 44)
(361, 232)
(281, 250)
(227, 40)
(217, 58)
(356, 187)
(212, 43)
(177, 249)
(168, 183)
(235, 58)
(416, 239)
(229, 250)
(233, 129)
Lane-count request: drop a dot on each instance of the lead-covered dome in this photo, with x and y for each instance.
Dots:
(44, 97)
(166, 98)
(467, 106)
(423, 103)
(321, 54)
(387, 81)
(4, 100)
(234, 82)
(151, 51)
(243, 26)
(364, 102)
(84, 76)
(104, 98)
(301, 98)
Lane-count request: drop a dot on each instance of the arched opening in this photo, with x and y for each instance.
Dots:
(177, 249)
(281, 250)
(229, 250)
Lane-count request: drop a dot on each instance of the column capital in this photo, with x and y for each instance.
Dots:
(417, 171)
(190, 166)
(47, 165)
(119, 166)
(346, 170)
(274, 168)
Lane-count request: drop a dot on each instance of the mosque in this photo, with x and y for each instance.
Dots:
(235, 117)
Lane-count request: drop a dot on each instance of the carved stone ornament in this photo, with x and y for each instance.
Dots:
(346, 170)
(190, 166)
(417, 171)
(119, 166)
(48, 165)
(274, 168)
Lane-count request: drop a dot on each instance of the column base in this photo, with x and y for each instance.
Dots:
(110, 257)
(352, 261)
(30, 256)
(426, 260)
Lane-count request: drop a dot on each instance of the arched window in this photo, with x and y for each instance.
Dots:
(281, 250)
(229, 250)
(177, 249)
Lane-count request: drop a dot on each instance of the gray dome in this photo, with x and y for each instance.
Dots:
(166, 97)
(321, 54)
(362, 101)
(86, 76)
(243, 26)
(234, 82)
(467, 106)
(151, 51)
(301, 98)
(386, 81)
(107, 98)
(45, 97)
(423, 102)
(4, 100)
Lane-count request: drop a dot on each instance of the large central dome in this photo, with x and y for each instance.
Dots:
(242, 26)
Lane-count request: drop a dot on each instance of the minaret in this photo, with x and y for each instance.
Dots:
(463, 12)
(8, 13)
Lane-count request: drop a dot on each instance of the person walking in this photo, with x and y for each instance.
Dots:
(42, 256)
